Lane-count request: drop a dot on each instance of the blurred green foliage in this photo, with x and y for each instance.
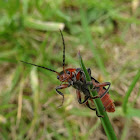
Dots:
(107, 34)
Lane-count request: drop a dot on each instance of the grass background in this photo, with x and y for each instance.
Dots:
(107, 33)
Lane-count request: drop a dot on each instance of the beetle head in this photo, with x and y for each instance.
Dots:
(64, 76)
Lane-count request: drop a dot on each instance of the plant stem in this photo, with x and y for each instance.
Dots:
(100, 108)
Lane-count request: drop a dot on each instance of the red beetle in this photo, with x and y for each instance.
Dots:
(75, 77)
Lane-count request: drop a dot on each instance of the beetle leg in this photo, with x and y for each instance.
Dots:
(94, 97)
(79, 97)
(61, 87)
(89, 71)
(93, 109)
(84, 77)
(87, 104)
(103, 85)
(80, 76)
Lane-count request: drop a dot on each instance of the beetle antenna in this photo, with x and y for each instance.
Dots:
(63, 50)
(41, 67)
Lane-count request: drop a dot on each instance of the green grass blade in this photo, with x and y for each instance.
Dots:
(136, 78)
(100, 108)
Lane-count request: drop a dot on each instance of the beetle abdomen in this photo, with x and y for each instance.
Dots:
(108, 103)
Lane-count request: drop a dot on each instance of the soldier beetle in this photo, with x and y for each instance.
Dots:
(75, 77)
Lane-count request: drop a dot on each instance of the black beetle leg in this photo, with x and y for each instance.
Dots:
(94, 110)
(79, 97)
(61, 87)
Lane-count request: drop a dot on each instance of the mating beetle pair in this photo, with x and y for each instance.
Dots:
(75, 77)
